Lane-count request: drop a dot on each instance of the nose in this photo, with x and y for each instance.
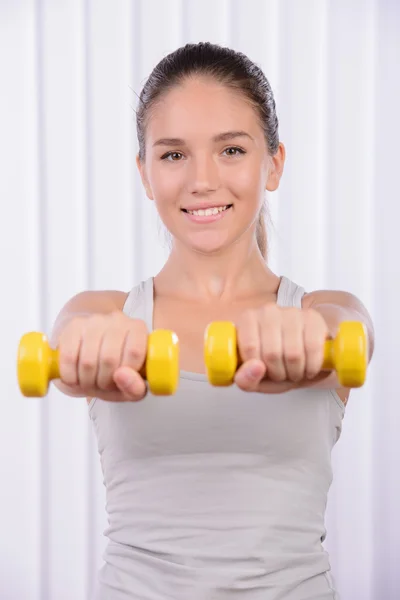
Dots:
(202, 175)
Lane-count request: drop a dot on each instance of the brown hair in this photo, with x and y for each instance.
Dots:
(229, 67)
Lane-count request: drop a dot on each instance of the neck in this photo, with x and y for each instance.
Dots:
(235, 273)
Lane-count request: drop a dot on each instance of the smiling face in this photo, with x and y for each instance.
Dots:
(207, 164)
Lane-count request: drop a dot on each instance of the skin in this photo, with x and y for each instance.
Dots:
(214, 271)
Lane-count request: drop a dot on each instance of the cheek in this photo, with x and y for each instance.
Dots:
(165, 185)
(247, 185)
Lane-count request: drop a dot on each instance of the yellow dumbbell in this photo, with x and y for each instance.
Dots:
(347, 353)
(38, 363)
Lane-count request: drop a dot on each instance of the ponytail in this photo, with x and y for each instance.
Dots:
(261, 234)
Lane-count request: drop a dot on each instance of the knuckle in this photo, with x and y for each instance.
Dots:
(109, 360)
(70, 334)
(134, 354)
(247, 317)
(270, 310)
(250, 347)
(311, 313)
(294, 356)
(76, 323)
(88, 363)
(139, 324)
(117, 320)
(68, 358)
(249, 313)
(314, 347)
(93, 321)
(272, 356)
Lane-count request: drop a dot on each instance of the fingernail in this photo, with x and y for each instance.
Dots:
(128, 381)
(253, 372)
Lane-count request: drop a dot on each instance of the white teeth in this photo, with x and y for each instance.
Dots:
(208, 211)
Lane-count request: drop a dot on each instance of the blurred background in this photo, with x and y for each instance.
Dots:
(74, 216)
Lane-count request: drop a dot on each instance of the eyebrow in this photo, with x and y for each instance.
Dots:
(221, 137)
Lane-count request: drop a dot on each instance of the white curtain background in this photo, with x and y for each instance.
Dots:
(74, 216)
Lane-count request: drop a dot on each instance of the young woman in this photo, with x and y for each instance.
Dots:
(212, 493)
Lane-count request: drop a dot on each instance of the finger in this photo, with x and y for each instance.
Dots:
(293, 344)
(88, 361)
(69, 344)
(110, 356)
(248, 336)
(135, 346)
(271, 343)
(249, 375)
(316, 333)
(130, 383)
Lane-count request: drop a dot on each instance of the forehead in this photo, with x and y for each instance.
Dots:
(200, 103)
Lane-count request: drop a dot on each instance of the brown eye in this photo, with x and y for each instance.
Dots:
(234, 151)
(174, 156)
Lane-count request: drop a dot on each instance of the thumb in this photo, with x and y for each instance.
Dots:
(249, 374)
(130, 383)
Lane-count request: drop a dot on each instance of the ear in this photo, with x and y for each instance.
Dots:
(143, 176)
(277, 163)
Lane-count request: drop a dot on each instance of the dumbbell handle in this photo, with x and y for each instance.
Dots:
(347, 353)
(38, 363)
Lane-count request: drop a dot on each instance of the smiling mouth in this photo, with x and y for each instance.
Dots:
(207, 212)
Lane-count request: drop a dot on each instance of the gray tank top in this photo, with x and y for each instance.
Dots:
(215, 493)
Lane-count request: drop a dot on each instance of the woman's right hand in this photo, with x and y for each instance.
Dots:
(100, 355)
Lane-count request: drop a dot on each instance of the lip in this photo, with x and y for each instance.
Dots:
(206, 218)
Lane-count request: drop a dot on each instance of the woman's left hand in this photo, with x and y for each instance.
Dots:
(280, 347)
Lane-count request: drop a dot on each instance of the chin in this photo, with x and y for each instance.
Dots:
(208, 244)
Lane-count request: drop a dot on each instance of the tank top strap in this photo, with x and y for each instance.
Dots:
(139, 303)
(289, 293)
